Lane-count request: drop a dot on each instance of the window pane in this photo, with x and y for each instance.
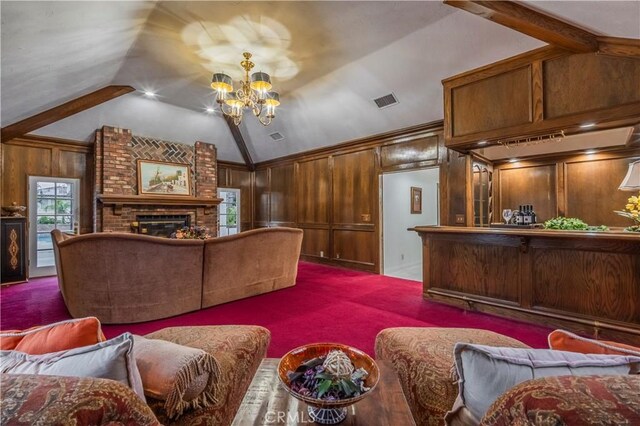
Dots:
(63, 206)
(64, 190)
(46, 189)
(46, 223)
(45, 258)
(46, 206)
(44, 241)
(64, 223)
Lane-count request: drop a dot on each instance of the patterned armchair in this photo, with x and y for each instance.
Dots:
(30, 399)
(423, 360)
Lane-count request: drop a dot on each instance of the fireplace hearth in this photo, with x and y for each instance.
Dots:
(161, 225)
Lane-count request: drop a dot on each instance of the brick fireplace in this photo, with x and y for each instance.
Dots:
(117, 203)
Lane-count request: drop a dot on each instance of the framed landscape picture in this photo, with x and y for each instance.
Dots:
(416, 200)
(160, 178)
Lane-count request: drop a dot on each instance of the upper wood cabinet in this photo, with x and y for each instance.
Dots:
(539, 92)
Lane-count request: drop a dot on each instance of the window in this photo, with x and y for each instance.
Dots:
(229, 211)
(53, 204)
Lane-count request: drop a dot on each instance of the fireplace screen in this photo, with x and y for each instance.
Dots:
(162, 226)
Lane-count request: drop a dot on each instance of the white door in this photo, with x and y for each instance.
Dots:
(402, 249)
(229, 211)
(53, 204)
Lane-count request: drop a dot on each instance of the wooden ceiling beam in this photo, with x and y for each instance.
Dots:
(531, 22)
(242, 146)
(65, 110)
(618, 46)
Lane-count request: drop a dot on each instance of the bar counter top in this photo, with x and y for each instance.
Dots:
(585, 282)
(529, 232)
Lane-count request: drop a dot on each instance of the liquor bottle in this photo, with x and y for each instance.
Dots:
(518, 215)
(533, 215)
(526, 220)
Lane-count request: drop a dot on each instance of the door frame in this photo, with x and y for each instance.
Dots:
(44, 271)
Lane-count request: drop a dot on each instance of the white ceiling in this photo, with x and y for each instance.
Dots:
(328, 60)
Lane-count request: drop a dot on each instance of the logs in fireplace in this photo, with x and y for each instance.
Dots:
(161, 225)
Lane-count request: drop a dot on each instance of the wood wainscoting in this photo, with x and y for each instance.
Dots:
(333, 193)
(587, 282)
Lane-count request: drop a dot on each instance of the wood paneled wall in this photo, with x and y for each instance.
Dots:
(574, 185)
(333, 193)
(43, 156)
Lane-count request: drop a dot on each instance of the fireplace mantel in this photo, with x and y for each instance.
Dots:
(118, 201)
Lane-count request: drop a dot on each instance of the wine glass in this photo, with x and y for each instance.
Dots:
(507, 214)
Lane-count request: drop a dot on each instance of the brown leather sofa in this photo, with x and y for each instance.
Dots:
(128, 278)
(57, 400)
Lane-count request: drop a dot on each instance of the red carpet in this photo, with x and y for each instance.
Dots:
(327, 304)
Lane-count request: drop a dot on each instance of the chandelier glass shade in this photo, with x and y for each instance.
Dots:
(254, 93)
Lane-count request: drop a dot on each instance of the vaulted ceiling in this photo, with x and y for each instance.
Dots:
(329, 60)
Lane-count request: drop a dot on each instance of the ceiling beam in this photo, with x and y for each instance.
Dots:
(65, 110)
(242, 146)
(618, 46)
(531, 22)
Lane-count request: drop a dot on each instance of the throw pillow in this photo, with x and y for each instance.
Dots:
(565, 341)
(59, 336)
(112, 359)
(183, 377)
(487, 372)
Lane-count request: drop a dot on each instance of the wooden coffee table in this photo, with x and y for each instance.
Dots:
(268, 403)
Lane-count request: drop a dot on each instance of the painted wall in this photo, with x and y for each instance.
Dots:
(402, 249)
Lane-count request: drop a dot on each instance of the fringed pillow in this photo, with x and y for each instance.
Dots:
(183, 377)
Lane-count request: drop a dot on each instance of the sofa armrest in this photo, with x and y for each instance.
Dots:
(570, 400)
(37, 399)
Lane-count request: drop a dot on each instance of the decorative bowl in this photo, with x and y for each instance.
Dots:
(320, 410)
(14, 209)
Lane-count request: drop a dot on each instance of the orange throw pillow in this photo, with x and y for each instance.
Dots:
(59, 336)
(564, 341)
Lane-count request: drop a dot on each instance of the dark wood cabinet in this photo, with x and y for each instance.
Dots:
(544, 91)
(14, 249)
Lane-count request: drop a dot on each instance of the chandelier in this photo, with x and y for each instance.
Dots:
(253, 94)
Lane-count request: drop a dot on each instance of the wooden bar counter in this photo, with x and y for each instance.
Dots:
(587, 282)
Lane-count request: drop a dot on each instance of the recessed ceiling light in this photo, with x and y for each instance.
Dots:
(513, 160)
(149, 93)
(591, 151)
(482, 143)
(210, 110)
(587, 125)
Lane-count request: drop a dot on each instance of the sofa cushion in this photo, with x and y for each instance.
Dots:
(569, 400)
(183, 377)
(55, 400)
(423, 359)
(59, 336)
(112, 359)
(566, 341)
(487, 372)
(239, 349)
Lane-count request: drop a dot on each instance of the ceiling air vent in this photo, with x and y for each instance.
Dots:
(386, 100)
(277, 136)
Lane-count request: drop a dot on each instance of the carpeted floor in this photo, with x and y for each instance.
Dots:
(326, 304)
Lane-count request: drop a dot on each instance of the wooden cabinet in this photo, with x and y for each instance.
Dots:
(540, 92)
(14, 249)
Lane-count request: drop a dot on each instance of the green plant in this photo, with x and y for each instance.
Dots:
(572, 224)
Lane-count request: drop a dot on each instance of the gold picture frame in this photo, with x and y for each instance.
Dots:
(416, 200)
(163, 178)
